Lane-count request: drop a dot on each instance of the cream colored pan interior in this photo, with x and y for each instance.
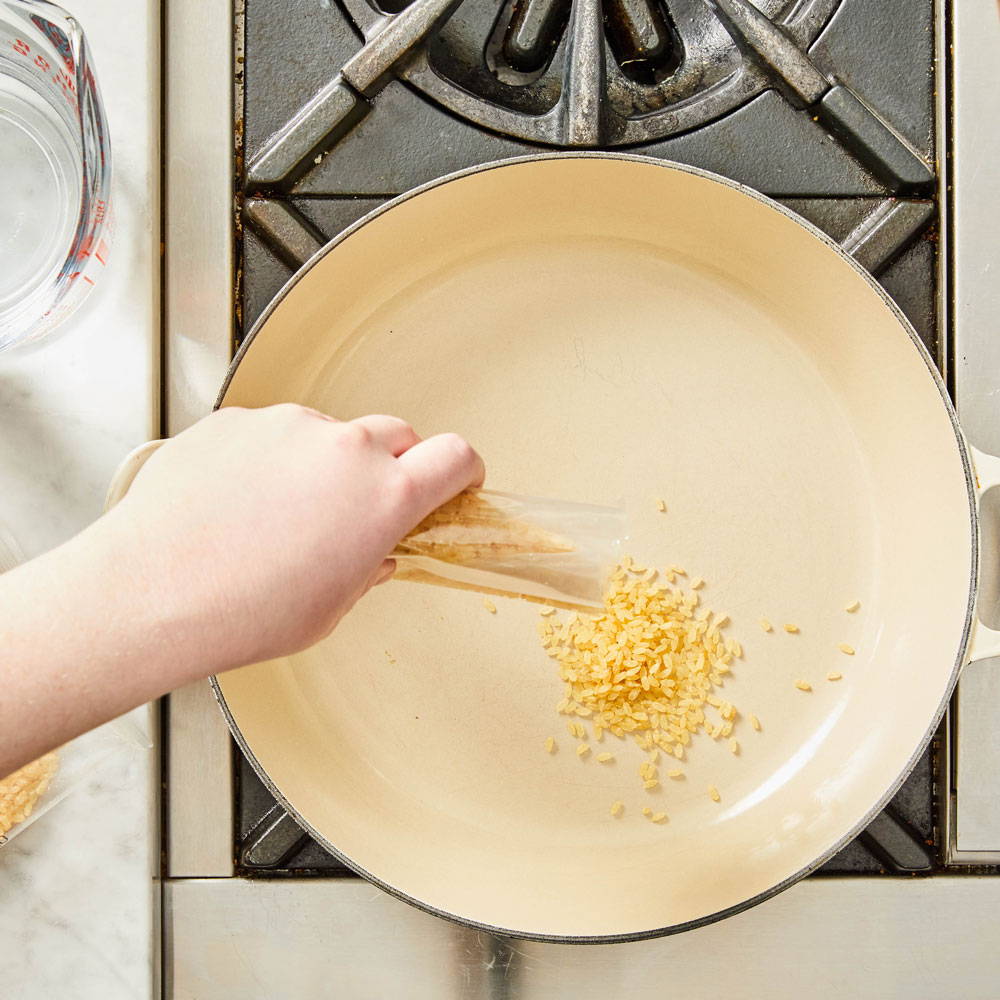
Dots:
(614, 330)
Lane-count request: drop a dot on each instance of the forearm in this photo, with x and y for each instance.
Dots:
(245, 538)
(83, 638)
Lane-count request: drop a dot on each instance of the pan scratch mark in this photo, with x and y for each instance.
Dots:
(514, 950)
(582, 366)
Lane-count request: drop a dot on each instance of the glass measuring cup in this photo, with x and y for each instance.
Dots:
(55, 170)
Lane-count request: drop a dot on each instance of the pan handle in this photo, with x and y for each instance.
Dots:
(127, 471)
(985, 642)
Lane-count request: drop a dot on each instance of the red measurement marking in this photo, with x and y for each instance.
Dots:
(65, 81)
(102, 252)
(88, 280)
(60, 78)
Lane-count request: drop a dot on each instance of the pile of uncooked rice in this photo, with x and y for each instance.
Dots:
(649, 666)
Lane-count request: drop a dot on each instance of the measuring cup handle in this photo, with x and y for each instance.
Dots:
(126, 472)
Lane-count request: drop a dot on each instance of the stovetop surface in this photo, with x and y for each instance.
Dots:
(690, 93)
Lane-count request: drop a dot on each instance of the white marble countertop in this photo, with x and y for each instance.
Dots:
(76, 888)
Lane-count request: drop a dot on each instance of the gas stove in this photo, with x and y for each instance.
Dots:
(850, 112)
(723, 88)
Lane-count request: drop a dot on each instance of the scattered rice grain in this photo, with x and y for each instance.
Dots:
(582, 750)
(803, 685)
(617, 808)
(847, 650)
(766, 625)
(852, 607)
(605, 758)
(713, 793)
(489, 605)
(791, 629)
(834, 675)
(550, 744)
(755, 722)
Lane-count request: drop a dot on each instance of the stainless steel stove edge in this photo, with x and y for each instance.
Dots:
(853, 937)
(970, 103)
(198, 305)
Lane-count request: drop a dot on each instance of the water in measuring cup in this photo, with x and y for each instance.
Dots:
(40, 188)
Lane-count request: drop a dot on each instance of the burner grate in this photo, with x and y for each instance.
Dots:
(779, 96)
(900, 841)
(592, 74)
(896, 241)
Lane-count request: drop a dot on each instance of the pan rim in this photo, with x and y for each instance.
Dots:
(970, 611)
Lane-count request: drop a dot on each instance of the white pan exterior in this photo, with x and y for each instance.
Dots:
(606, 330)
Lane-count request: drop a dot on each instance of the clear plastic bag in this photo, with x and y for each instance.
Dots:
(552, 550)
(33, 791)
(67, 769)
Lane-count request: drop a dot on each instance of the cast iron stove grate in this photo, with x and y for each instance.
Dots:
(815, 102)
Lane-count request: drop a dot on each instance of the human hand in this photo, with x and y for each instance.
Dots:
(256, 530)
